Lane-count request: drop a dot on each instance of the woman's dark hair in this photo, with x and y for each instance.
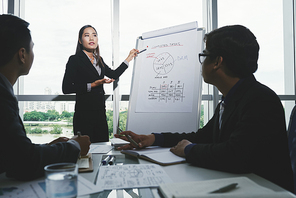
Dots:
(14, 35)
(80, 46)
(238, 47)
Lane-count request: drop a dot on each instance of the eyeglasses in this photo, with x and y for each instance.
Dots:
(202, 57)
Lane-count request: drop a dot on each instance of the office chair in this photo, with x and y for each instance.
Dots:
(292, 143)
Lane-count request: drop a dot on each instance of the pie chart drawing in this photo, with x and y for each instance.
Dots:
(163, 63)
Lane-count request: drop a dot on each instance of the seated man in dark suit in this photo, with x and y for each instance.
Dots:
(247, 133)
(19, 157)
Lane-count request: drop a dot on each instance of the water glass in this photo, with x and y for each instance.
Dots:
(61, 180)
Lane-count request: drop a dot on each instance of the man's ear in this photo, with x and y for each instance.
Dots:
(22, 55)
(218, 62)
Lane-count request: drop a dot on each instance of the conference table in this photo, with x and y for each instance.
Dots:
(178, 173)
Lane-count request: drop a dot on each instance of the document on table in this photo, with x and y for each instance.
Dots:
(99, 148)
(131, 176)
(196, 189)
(38, 189)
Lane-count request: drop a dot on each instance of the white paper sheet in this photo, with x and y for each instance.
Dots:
(246, 188)
(99, 148)
(167, 73)
(36, 189)
(131, 176)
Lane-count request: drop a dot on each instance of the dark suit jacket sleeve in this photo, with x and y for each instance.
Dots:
(114, 74)
(19, 157)
(71, 83)
(201, 136)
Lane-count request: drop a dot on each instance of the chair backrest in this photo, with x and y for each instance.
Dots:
(292, 143)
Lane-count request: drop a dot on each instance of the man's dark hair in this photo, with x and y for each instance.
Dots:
(14, 35)
(238, 47)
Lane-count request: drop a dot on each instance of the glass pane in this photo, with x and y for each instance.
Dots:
(54, 27)
(46, 121)
(265, 19)
(3, 6)
(138, 17)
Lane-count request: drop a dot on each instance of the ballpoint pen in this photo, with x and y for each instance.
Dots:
(225, 188)
(132, 141)
(129, 139)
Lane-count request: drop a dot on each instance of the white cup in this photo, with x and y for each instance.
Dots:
(61, 180)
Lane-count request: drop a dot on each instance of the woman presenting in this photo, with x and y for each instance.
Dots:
(84, 76)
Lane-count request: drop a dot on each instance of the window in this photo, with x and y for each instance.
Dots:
(54, 27)
(137, 18)
(55, 36)
(271, 22)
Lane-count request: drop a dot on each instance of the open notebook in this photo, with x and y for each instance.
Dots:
(246, 188)
(156, 154)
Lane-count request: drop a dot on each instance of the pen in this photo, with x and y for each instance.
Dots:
(106, 160)
(129, 137)
(112, 160)
(142, 51)
(132, 141)
(225, 188)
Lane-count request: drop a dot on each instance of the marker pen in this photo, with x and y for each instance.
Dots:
(112, 160)
(142, 51)
(106, 160)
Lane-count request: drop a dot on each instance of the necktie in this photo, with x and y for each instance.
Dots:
(222, 104)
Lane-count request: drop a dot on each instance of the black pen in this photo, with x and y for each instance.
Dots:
(132, 141)
(129, 137)
(142, 51)
(225, 188)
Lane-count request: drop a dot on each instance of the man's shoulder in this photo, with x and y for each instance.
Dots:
(254, 88)
(261, 90)
(5, 93)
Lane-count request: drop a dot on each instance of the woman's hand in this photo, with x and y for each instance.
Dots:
(132, 54)
(142, 140)
(101, 81)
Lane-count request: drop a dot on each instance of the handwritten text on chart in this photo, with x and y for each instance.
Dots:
(166, 93)
(167, 45)
(131, 176)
